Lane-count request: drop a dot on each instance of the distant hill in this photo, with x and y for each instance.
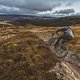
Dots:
(16, 17)
(41, 20)
(63, 21)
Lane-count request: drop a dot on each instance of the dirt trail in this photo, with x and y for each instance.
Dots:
(67, 64)
(76, 74)
(71, 72)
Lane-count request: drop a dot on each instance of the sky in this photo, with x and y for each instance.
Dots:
(40, 7)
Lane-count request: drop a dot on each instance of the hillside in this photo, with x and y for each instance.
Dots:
(21, 58)
(24, 55)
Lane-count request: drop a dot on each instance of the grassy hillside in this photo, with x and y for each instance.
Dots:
(24, 56)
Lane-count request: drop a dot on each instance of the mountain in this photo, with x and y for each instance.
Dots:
(48, 21)
(41, 20)
(57, 14)
(15, 17)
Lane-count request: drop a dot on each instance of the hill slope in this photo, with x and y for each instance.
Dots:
(24, 57)
(21, 58)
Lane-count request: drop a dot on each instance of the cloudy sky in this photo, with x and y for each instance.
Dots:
(40, 7)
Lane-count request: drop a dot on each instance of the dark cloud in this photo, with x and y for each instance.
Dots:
(66, 11)
(35, 6)
(68, 4)
(9, 10)
(40, 5)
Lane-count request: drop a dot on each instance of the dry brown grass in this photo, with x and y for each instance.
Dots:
(73, 45)
(43, 33)
(23, 56)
